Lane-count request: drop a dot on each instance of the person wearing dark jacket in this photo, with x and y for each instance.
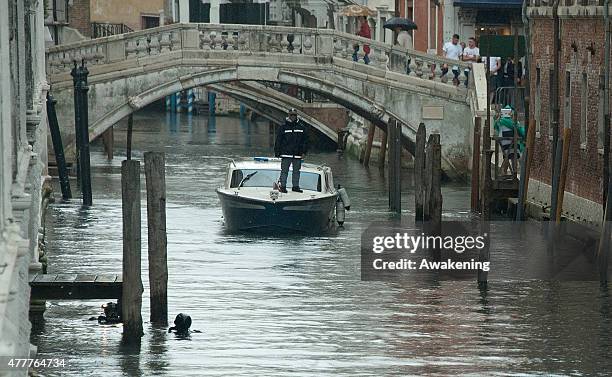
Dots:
(291, 144)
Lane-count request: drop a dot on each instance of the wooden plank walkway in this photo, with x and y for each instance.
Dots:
(75, 286)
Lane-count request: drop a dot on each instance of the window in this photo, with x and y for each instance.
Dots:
(584, 101)
(538, 103)
(150, 21)
(551, 95)
(267, 177)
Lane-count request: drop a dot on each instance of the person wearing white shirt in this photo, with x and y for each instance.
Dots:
(452, 50)
(404, 40)
(494, 66)
(470, 54)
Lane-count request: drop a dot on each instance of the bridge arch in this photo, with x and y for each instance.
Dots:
(365, 107)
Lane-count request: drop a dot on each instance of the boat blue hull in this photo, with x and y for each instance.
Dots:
(309, 216)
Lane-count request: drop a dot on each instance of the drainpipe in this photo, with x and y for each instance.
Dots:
(557, 143)
(606, 103)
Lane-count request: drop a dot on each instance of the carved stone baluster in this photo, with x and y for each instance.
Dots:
(223, 42)
(100, 54)
(297, 43)
(154, 44)
(66, 61)
(347, 49)
(308, 50)
(419, 67)
(230, 41)
(438, 76)
(213, 43)
(284, 44)
(383, 59)
(274, 44)
(243, 41)
(218, 41)
(205, 40)
(143, 47)
(165, 43)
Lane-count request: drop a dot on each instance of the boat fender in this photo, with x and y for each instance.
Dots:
(340, 213)
(343, 196)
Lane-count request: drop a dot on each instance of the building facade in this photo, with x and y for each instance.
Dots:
(23, 166)
(580, 97)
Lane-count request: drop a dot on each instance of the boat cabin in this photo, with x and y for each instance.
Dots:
(265, 171)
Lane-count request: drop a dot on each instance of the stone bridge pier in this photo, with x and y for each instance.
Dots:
(130, 71)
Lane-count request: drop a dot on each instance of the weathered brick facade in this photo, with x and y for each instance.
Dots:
(582, 55)
(79, 16)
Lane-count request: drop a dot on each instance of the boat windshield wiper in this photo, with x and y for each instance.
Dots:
(246, 178)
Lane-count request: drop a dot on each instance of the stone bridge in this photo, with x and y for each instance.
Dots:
(130, 71)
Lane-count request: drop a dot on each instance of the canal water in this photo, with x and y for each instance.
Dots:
(294, 305)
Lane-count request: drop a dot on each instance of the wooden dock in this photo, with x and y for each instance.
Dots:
(75, 286)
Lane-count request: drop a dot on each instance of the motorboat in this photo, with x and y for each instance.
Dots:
(250, 198)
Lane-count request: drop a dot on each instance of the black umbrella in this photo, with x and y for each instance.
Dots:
(403, 23)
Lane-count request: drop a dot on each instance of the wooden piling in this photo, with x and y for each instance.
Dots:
(108, 139)
(84, 158)
(132, 282)
(129, 137)
(475, 192)
(419, 172)
(433, 194)
(603, 250)
(395, 151)
(383, 150)
(58, 148)
(368, 151)
(486, 186)
(156, 226)
(525, 170)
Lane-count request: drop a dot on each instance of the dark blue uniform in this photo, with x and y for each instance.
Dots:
(291, 145)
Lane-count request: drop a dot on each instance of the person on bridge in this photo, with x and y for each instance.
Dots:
(364, 31)
(291, 145)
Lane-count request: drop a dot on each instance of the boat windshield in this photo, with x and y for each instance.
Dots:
(267, 177)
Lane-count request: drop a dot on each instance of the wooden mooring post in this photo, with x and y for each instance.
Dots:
(419, 172)
(58, 148)
(130, 125)
(156, 226)
(433, 190)
(368, 151)
(108, 139)
(395, 165)
(84, 158)
(383, 150)
(475, 189)
(132, 282)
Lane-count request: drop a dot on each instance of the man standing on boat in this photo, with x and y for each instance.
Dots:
(291, 145)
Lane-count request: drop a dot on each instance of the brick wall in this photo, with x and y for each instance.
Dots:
(79, 16)
(334, 117)
(584, 176)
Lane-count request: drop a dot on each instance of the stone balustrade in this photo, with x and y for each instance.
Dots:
(252, 40)
(567, 8)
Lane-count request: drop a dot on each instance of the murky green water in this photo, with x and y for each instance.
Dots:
(271, 306)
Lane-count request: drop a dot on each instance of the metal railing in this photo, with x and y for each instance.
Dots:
(511, 96)
(99, 30)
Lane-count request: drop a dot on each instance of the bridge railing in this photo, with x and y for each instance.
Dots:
(253, 39)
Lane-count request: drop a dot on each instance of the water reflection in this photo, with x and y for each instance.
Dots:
(271, 305)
